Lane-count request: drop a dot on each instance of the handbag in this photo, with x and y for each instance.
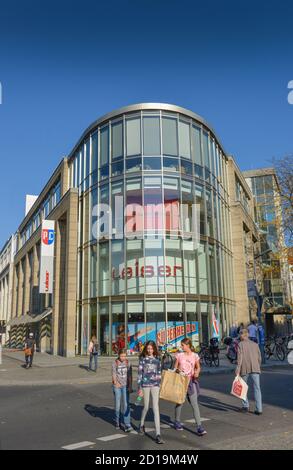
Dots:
(28, 352)
(239, 388)
(174, 386)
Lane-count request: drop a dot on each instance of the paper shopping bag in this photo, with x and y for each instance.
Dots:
(239, 388)
(174, 386)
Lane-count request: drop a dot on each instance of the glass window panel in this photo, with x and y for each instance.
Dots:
(174, 267)
(104, 330)
(133, 165)
(206, 150)
(119, 272)
(117, 168)
(93, 272)
(170, 145)
(202, 267)
(104, 143)
(117, 140)
(170, 164)
(184, 139)
(151, 136)
(136, 327)
(134, 267)
(104, 277)
(156, 318)
(154, 268)
(94, 152)
(104, 172)
(117, 206)
(118, 327)
(172, 205)
(189, 267)
(152, 163)
(133, 139)
(186, 167)
(196, 147)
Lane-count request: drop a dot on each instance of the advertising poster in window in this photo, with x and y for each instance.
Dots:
(139, 333)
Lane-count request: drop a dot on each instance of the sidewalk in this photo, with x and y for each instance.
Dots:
(54, 370)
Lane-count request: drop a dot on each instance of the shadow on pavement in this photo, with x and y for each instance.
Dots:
(215, 404)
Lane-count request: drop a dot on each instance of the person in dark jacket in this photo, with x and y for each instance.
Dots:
(29, 349)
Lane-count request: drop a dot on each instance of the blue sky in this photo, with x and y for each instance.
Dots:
(64, 64)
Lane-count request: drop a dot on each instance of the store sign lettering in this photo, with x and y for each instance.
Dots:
(146, 271)
(175, 332)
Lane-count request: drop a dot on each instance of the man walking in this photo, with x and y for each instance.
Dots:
(248, 366)
(29, 349)
(252, 331)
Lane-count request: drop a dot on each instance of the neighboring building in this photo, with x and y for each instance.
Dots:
(6, 281)
(268, 215)
(144, 280)
(245, 246)
(50, 317)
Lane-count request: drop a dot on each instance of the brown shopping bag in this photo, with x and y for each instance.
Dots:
(174, 386)
(239, 388)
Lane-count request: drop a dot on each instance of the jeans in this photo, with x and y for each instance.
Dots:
(194, 404)
(121, 395)
(155, 392)
(29, 360)
(95, 357)
(256, 390)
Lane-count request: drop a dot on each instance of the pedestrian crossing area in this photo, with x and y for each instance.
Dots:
(122, 435)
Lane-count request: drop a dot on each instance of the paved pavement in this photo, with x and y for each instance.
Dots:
(51, 370)
(80, 416)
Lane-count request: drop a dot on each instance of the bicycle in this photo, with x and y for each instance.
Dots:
(167, 359)
(274, 346)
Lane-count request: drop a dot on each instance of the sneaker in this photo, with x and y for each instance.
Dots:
(159, 440)
(200, 431)
(128, 428)
(244, 409)
(178, 426)
(117, 425)
(141, 431)
(258, 413)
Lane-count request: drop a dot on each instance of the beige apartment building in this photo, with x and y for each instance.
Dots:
(50, 316)
(247, 274)
(6, 282)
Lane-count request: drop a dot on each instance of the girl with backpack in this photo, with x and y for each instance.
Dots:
(93, 349)
(149, 381)
(121, 379)
(188, 362)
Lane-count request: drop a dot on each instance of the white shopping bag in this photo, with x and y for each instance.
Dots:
(239, 388)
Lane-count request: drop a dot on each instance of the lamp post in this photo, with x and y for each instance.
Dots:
(258, 297)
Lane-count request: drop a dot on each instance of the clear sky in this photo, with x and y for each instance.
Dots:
(65, 63)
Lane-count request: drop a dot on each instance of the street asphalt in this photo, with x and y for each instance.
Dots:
(79, 415)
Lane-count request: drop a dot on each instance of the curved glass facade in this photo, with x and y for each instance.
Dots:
(140, 273)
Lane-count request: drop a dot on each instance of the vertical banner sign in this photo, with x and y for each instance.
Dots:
(47, 257)
(216, 325)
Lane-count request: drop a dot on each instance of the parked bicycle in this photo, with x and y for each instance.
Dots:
(168, 360)
(209, 355)
(275, 346)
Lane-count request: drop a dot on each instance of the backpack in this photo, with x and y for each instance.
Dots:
(95, 348)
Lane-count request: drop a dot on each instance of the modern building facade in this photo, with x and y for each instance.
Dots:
(146, 278)
(274, 254)
(6, 283)
(154, 239)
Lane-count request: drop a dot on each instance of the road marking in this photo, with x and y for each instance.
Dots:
(112, 437)
(78, 445)
(193, 420)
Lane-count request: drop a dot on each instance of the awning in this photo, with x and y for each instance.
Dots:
(27, 319)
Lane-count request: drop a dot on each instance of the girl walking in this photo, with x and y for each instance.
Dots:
(188, 363)
(149, 381)
(121, 375)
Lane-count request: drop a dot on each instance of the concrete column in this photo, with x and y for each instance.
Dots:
(71, 276)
